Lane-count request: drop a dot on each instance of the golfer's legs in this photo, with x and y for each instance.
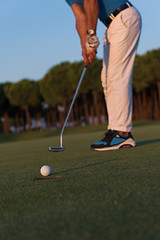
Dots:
(120, 47)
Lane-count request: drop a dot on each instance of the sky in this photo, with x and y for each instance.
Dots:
(36, 35)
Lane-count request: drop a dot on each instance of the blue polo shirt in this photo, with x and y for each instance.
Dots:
(106, 7)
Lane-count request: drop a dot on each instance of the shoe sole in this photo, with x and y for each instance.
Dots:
(126, 144)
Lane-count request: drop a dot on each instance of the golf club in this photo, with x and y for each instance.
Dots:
(61, 148)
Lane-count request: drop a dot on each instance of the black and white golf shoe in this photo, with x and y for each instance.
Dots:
(113, 140)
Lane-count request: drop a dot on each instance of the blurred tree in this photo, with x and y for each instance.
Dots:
(92, 84)
(146, 76)
(58, 85)
(24, 94)
(4, 108)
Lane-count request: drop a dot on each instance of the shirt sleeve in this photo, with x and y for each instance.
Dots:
(71, 2)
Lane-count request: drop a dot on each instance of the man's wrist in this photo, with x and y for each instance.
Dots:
(91, 32)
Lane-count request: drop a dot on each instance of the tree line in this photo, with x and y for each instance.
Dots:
(29, 104)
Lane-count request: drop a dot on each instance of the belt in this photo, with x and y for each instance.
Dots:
(116, 12)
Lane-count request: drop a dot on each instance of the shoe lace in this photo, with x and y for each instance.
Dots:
(108, 135)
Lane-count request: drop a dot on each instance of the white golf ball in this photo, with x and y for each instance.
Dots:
(45, 170)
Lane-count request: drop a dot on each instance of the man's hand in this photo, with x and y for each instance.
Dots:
(88, 56)
(92, 43)
(90, 50)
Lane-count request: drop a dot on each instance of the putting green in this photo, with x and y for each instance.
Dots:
(111, 195)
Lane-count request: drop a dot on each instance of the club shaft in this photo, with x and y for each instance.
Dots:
(69, 111)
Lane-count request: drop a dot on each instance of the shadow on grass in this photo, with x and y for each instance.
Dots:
(56, 174)
(145, 142)
(86, 166)
(140, 143)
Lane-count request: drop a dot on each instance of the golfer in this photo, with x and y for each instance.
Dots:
(123, 27)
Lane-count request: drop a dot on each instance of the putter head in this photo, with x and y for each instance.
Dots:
(56, 149)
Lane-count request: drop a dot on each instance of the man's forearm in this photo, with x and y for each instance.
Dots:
(82, 29)
(81, 23)
(91, 9)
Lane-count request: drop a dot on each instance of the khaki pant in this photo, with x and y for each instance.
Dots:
(120, 46)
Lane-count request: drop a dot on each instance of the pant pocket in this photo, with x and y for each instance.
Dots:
(130, 17)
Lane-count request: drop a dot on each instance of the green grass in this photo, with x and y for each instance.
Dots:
(110, 195)
(24, 136)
